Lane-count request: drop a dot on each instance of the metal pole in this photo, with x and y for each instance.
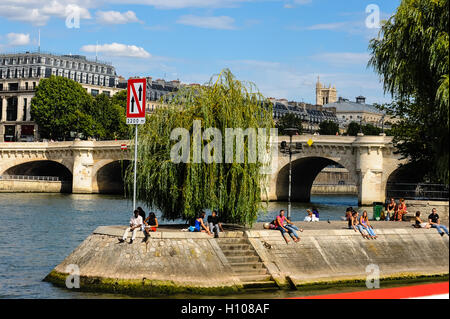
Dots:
(135, 166)
(290, 177)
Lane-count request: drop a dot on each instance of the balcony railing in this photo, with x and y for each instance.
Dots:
(31, 178)
(17, 89)
(417, 191)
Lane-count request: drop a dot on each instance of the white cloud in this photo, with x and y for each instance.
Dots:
(222, 22)
(180, 4)
(327, 26)
(343, 58)
(15, 39)
(38, 12)
(294, 3)
(116, 17)
(117, 49)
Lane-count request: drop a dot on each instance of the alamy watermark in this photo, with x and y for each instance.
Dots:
(373, 276)
(73, 17)
(73, 279)
(373, 19)
(262, 146)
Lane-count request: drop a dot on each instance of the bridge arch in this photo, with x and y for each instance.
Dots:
(42, 171)
(304, 172)
(108, 176)
(41, 168)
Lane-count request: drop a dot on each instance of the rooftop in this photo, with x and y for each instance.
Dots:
(45, 53)
(344, 105)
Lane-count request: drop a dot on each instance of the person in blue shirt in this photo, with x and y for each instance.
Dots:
(199, 225)
(315, 211)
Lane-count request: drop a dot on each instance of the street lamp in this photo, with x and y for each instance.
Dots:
(290, 132)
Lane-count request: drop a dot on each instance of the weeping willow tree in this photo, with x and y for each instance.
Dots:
(182, 190)
(412, 58)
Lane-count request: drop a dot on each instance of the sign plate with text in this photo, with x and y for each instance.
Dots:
(136, 101)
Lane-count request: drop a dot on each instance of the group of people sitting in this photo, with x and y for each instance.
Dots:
(139, 222)
(360, 223)
(214, 224)
(394, 211)
(433, 222)
(312, 215)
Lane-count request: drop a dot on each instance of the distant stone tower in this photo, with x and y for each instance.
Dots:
(325, 95)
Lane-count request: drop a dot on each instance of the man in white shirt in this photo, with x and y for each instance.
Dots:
(135, 224)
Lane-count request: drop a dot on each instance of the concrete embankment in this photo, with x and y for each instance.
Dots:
(29, 186)
(181, 262)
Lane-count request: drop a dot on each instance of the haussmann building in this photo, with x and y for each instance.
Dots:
(20, 74)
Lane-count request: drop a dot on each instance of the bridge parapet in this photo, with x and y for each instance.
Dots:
(369, 159)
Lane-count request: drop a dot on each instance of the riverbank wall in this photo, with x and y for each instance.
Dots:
(30, 186)
(318, 189)
(181, 262)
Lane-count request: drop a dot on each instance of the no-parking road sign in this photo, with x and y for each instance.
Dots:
(136, 101)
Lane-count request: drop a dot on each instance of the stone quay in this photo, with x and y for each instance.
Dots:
(172, 261)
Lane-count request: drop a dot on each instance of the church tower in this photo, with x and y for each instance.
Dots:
(325, 95)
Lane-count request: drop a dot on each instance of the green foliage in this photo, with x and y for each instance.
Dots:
(62, 106)
(412, 57)
(289, 120)
(182, 190)
(328, 128)
(110, 118)
(367, 129)
(58, 108)
(353, 129)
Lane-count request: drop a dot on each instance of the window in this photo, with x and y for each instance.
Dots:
(94, 92)
(11, 109)
(25, 109)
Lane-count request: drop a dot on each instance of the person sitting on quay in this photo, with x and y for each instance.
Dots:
(401, 211)
(357, 226)
(142, 214)
(279, 223)
(390, 209)
(310, 217)
(199, 225)
(435, 222)
(135, 224)
(419, 223)
(349, 216)
(315, 211)
(215, 226)
(364, 222)
(150, 225)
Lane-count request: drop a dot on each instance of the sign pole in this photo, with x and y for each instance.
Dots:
(135, 166)
(136, 92)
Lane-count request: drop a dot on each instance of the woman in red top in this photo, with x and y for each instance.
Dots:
(401, 210)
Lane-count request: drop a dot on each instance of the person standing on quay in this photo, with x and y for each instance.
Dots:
(135, 224)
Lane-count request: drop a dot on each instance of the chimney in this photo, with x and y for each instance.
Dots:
(360, 100)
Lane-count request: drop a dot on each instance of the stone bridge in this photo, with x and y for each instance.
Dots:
(369, 159)
(89, 166)
(97, 166)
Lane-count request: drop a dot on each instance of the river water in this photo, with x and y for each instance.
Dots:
(37, 231)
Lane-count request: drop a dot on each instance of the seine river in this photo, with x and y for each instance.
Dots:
(37, 231)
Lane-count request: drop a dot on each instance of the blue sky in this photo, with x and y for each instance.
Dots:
(280, 45)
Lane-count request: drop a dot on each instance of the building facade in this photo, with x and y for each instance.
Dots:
(358, 111)
(20, 74)
(311, 115)
(159, 89)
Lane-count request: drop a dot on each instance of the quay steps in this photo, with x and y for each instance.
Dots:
(246, 264)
